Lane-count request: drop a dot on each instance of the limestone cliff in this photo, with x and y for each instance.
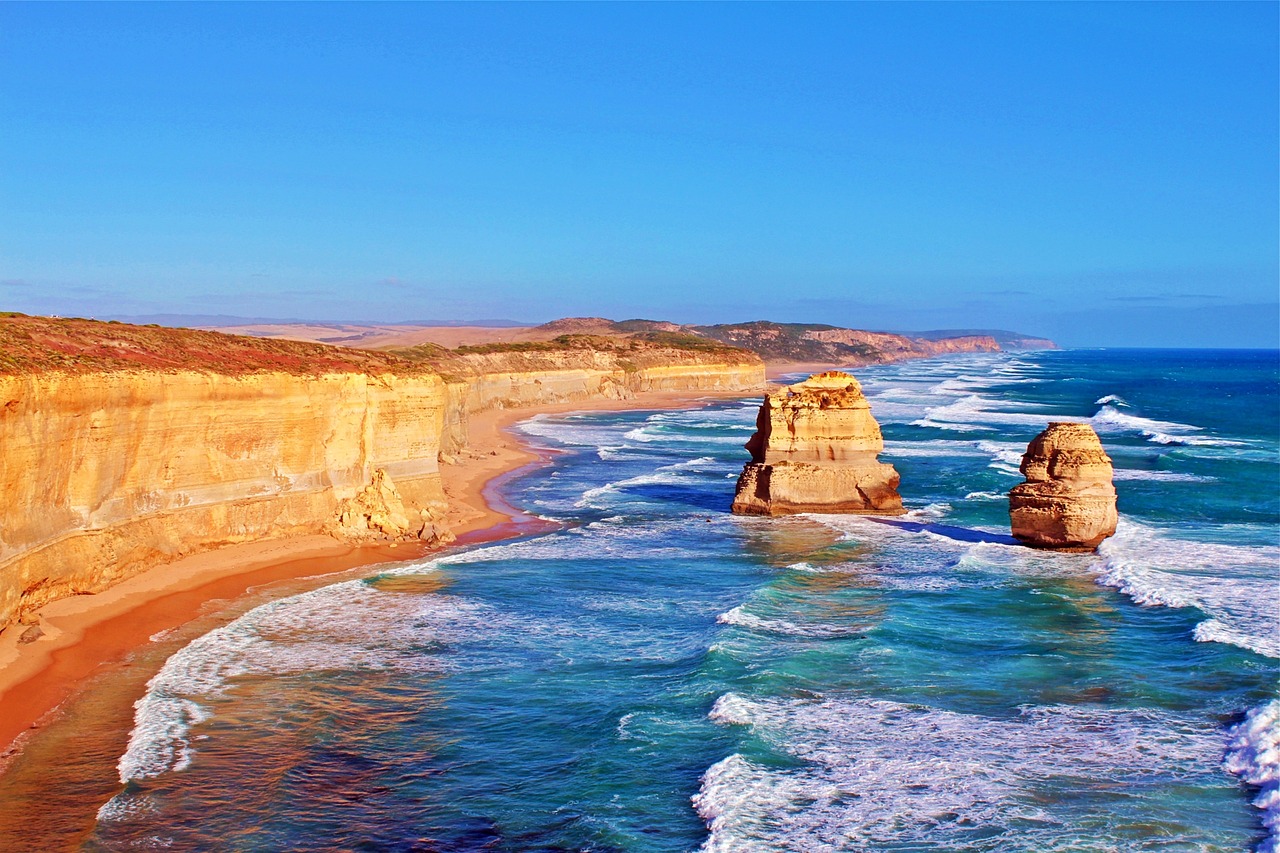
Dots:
(123, 447)
(814, 450)
(1068, 501)
(577, 368)
(106, 474)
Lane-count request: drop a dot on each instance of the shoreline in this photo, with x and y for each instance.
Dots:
(89, 635)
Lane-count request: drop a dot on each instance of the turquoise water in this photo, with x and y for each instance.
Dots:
(661, 675)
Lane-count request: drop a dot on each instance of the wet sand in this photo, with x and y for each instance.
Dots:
(85, 637)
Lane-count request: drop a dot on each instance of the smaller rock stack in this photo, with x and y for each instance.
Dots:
(814, 450)
(1068, 502)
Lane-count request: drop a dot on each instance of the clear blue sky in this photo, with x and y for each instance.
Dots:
(1103, 173)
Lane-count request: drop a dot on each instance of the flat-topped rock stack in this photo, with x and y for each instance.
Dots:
(1068, 501)
(814, 450)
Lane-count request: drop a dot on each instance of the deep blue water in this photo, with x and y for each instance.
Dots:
(661, 675)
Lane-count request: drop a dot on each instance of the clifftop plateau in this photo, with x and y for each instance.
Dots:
(778, 342)
(40, 344)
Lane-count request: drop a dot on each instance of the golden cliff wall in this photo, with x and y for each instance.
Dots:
(106, 474)
(519, 380)
(109, 472)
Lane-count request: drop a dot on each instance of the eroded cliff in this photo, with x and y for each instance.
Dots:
(124, 447)
(106, 474)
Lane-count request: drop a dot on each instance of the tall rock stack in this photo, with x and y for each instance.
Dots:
(814, 450)
(1068, 501)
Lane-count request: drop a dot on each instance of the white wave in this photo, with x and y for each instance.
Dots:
(1253, 754)
(1110, 419)
(1164, 476)
(986, 496)
(1234, 585)
(1006, 457)
(575, 433)
(976, 412)
(1191, 440)
(650, 435)
(1110, 398)
(745, 619)
(665, 474)
(929, 512)
(934, 448)
(880, 774)
(324, 629)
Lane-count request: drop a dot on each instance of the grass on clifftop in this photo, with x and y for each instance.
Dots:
(630, 353)
(31, 345)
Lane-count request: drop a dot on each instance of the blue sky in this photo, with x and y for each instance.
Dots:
(1105, 174)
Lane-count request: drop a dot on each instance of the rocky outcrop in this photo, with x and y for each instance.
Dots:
(378, 512)
(1068, 501)
(814, 450)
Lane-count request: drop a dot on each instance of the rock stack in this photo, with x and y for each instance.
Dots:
(814, 450)
(1068, 501)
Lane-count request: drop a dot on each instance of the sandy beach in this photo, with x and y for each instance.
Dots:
(88, 635)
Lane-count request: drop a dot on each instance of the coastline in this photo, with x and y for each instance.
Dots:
(88, 635)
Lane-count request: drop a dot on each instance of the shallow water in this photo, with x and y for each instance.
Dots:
(660, 675)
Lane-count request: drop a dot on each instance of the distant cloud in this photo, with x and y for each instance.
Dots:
(13, 282)
(395, 283)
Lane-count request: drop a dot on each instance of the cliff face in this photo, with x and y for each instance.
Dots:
(814, 450)
(106, 474)
(508, 379)
(122, 448)
(1068, 501)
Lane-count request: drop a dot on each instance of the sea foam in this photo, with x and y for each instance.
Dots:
(1234, 585)
(1253, 754)
(877, 774)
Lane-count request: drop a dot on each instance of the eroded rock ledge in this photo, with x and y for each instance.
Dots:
(814, 450)
(1068, 501)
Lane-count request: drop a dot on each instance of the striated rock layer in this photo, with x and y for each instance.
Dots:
(123, 447)
(814, 450)
(106, 474)
(1068, 501)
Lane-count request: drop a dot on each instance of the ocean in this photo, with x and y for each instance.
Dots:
(659, 675)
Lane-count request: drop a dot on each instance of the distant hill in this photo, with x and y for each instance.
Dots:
(1006, 339)
(821, 343)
